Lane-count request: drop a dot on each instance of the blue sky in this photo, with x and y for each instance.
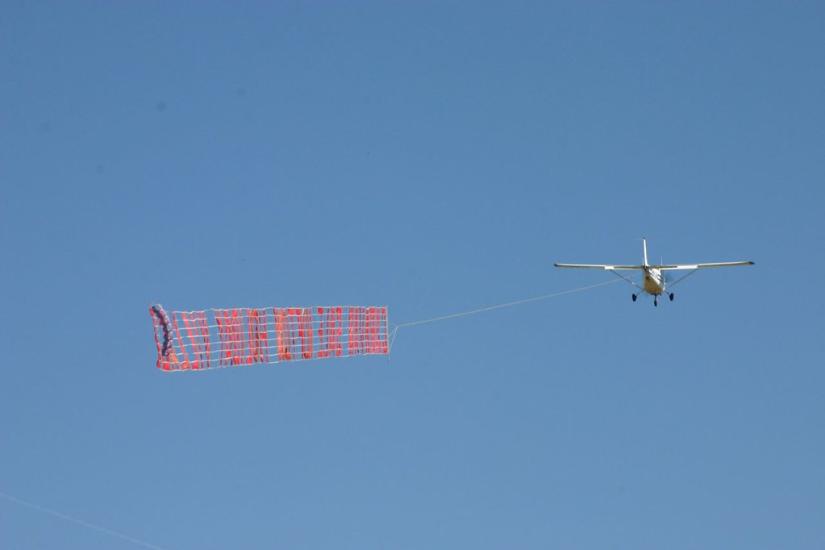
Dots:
(434, 157)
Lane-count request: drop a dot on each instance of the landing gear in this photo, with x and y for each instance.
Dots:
(671, 296)
(656, 301)
(633, 296)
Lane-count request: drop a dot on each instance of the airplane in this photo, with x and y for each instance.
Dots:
(654, 282)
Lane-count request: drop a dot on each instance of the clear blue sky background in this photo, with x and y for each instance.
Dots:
(433, 157)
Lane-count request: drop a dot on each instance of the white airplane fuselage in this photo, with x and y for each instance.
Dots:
(654, 281)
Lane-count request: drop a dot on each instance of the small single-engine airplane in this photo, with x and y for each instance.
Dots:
(654, 282)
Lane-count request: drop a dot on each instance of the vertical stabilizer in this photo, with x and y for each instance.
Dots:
(644, 249)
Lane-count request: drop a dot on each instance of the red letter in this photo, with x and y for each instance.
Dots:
(305, 332)
(282, 334)
(194, 323)
(257, 336)
(355, 320)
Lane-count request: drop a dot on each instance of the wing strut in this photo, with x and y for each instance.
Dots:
(682, 278)
(617, 274)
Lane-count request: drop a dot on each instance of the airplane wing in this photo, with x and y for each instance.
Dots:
(699, 266)
(602, 266)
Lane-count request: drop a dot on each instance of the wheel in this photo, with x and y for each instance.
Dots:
(671, 296)
(633, 296)
(656, 302)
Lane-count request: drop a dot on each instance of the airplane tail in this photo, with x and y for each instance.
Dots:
(644, 249)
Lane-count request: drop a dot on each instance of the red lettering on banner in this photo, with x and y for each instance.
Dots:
(230, 333)
(293, 320)
(330, 328)
(305, 332)
(355, 340)
(193, 344)
(385, 341)
(225, 352)
(204, 330)
(238, 342)
(256, 328)
(184, 365)
(170, 361)
(382, 342)
(370, 329)
(376, 317)
(282, 339)
(198, 333)
(323, 350)
(335, 329)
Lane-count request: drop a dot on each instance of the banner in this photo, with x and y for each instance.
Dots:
(196, 340)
